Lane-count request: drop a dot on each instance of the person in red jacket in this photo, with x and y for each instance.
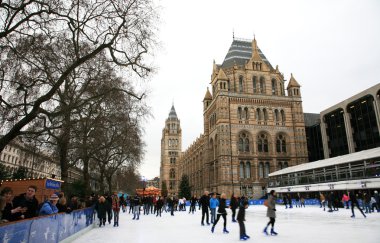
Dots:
(115, 209)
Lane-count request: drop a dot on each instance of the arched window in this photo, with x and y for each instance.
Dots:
(261, 170)
(262, 143)
(259, 116)
(241, 84)
(246, 113)
(239, 113)
(248, 169)
(265, 114)
(274, 87)
(280, 165)
(276, 116)
(262, 85)
(281, 144)
(267, 170)
(283, 116)
(243, 142)
(241, 169)
(254, 83)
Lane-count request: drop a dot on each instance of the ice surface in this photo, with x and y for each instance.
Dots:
(297, 225)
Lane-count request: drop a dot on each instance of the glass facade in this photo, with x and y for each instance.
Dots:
(336, 133)
(363, 123)
(314, 142)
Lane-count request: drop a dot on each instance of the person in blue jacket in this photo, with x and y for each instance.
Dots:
(49, 207)
(213, 204)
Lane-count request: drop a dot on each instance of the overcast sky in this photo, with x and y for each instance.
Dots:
(332, 47)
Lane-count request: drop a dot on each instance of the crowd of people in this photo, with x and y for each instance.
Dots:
(26, 205)
(212, 205)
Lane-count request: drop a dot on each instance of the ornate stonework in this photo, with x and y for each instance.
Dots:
(171, 146)
(252, 127)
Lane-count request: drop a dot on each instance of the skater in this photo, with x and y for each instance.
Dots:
(221, 213)
(290, 201)
(213, 204)
(323, 201)
(159, 204)
(234, 205)
(271, 212)
(241, 219)
(193, 202)
(171, 202)
(345, 200)
(101, 209)
(136, 207)
(302, 200)
(109, 208)
(285, 200)
(204, 202)
(354, 202)
(115, 209)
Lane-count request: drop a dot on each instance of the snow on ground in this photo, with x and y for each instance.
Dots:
(306, 225)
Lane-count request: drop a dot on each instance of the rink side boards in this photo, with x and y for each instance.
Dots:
(371, 183)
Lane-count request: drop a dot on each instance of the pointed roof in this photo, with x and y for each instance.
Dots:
(222, 75)
(208, 95)
(293, 82)
(241, 51)
(172, 113)
(255, 51)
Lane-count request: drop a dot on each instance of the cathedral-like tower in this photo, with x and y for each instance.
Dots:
(252, 126)
(171, 147)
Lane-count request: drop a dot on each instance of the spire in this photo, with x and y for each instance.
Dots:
(255, 50)
(208, 95)
(293, 82)
(172, 113)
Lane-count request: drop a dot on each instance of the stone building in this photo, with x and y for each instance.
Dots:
(253, 126)
(171, 147)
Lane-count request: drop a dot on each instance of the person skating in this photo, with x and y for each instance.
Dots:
(241, 218)
(136, 207)
(323, 201)
(285, 200)
(116, 209)
(354, 202)
(159, 204)
(221, 213)
(234, 205)
(271, 212)
(193, 202)
(101, 209)
(204, 202)
(214, 203)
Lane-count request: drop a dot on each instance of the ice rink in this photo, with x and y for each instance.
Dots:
(306, 225)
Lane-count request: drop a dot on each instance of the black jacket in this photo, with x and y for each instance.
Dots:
(204, 201)
(241, 214)
(32, 205)
(222, 206)
(101, 208)
(7, 215)
(234, 203)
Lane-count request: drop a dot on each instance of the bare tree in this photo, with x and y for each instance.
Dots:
(43, 42)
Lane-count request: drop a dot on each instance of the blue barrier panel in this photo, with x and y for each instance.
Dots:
(52, 228)
(44, 229)
(15, 232)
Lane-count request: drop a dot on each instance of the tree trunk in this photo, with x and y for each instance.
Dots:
(101, 180)
(63, 148)
(86, 175)
(109, 180)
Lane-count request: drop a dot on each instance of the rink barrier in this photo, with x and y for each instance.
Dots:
(278, 201)
(53, 228)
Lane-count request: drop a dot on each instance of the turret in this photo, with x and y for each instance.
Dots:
(293, 87)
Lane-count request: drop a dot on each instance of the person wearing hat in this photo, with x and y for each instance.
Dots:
(49, 207)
